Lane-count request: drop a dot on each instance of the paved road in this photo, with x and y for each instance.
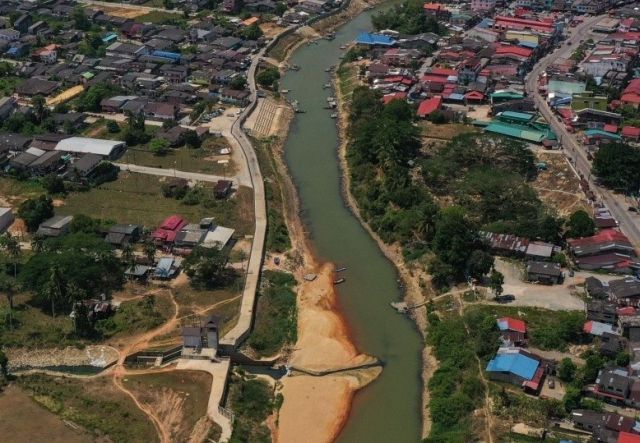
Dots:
(120, 118)
(573, 149)
(173, 173)
(238, 138)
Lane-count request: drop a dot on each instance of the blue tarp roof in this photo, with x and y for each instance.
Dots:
(514, 363)
(163, 269)
(12, 51)
(366, 38)
(166, 54)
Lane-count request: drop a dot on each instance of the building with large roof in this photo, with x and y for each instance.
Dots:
(83, 145)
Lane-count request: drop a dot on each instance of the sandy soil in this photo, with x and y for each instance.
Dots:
(99, 356)
(123, 12)
(19, 415)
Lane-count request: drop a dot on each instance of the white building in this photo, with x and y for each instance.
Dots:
(6, 219)
(83, 145)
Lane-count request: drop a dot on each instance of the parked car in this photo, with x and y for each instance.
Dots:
(505, 298)
(552, 383)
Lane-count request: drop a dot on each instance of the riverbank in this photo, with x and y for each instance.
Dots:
(416, 281)
(315, 407)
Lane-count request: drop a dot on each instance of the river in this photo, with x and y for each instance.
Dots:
(389, 409)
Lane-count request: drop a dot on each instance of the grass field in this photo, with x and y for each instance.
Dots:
(159, 17)
(204, 160)
(137, 198)
(15, 191)
(179, 398)
(95, 405)
(36, 328)
(17, 406)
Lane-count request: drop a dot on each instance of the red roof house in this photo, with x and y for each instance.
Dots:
(388, 98)
(631, 94)
(168, 229)
(630, 132)
(611, 128)
(428, 106)
(627, 437)
(513, 50)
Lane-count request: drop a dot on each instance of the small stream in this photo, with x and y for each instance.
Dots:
(389, 409)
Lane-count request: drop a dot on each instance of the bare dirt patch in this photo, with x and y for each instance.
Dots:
(558, 186)
(179, 399)
(131, 12)
(20, 413)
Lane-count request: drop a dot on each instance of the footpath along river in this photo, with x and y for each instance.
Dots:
(388, 410)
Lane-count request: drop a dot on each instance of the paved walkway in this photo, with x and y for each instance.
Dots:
(238, 138)
(175, 173)
(219, 371)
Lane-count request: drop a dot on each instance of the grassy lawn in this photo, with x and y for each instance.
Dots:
(548, 330)
(137, 198)
(16, 190)
(279, 51)
(277, 233)
(445, 131)
(276, 320)
(203, 160)
(183, 395)
(160, 17)
(347, 79)
(252, 401)
(95, 405)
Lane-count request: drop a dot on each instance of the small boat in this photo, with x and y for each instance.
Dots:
(338, 281)
(331, 99)
(327, 70)
(334, 115)
(326, 86)
(284, 91)
(343, 47)
(341, 269)
(294, 67)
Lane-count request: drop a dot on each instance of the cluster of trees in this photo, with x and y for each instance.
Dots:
(456, 389)
(407, 18)
(69, 269)
(252, 32)
(268, 78)
(616, 165)
(399, 206)
(136, 132)
(35, 211)
(90, 100)
(206, 267)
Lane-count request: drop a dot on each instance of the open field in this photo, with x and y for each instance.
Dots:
(35, 327)
(431, 131)
(179, 398)
(13, 192)
(20, 414)
(97, 405)
(137, 198)
(203, 160)
(159, 17)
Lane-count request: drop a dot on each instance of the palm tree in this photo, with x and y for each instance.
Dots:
(56, 288)
(128, 256)
(12, 246)
(149, 251)
(8, 287)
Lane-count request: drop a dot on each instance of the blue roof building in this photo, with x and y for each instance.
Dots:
(368, 39)
(110, 38)
(173, 56)
(512, 365)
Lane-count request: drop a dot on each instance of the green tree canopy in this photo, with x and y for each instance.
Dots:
(159, 146)
(566, 369)
(580, 224)
(206, 267)
(267, 77)
(454, 239)
(35, 210)
(252, 32)
(616, 165)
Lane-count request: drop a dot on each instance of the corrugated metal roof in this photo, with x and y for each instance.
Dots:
(516, 131)
(514, 363)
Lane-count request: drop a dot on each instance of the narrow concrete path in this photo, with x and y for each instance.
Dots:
(175, 173)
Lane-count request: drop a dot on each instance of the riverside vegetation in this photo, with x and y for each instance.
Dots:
(434, 203)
